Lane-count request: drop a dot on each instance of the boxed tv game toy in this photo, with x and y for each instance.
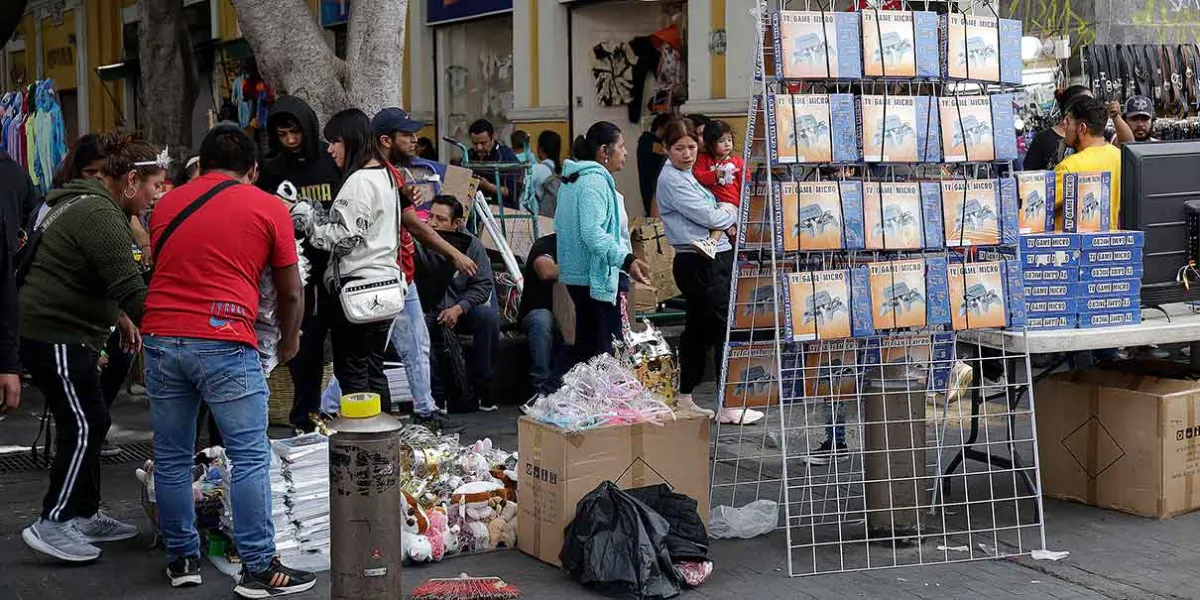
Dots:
(754, 146)
(900, 44)
(1087, 202)
(1127, 256)
(898, 129)
(754, 232)
(931, 203)
(1093, 304)
(1036, 192)
(1109, 272)
(862, 321)
(977, 128)
(751, 376)
(1015, 293)
(818, 305)
(816, 45)
(901, 360)
(831, 368)
(754, 295)
(892, 214)
(812, 128)
(1049, 275)
(1049, 242)
(971, 212)
(977, 296)
(981, 48)
(1043, 322)
(898, 293)
(937, 305)
(820, 215)
(1111, 240)
(1091, 320)
(1060, 306)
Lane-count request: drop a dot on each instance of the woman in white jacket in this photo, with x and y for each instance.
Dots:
(362, 233)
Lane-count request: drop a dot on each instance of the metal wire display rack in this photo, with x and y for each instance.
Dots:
(900, 448)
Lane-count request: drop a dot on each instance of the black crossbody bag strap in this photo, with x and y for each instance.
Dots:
(189, 211)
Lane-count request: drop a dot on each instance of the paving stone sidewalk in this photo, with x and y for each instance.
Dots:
(1112, 555)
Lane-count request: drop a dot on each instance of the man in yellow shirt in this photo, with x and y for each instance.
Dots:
(1084, 122)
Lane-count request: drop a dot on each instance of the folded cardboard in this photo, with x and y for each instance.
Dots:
(649, 240)
(557, 469)
(1119, 441)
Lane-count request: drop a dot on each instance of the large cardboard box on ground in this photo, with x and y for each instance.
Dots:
(558, 469)
(649, 241)
(1120, 441)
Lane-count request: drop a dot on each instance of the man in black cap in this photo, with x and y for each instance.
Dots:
(1139, 114)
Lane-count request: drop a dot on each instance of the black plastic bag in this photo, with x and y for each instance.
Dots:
(615, 546)
(687, 540)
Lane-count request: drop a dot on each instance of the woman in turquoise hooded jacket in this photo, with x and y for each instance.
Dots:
(595, 258)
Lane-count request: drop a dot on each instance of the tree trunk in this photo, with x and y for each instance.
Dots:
(293, 58)
(291, 53)
(375, 53)
(10, 19)
(168, 73)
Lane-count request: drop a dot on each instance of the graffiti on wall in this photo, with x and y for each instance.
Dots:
(1183, 17)
(1043, 18)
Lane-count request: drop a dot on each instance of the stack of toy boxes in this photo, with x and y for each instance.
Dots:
(1082, 280)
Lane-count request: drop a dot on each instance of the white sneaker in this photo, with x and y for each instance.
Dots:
(741, 416)
(706, 247)
(60, 540)
(685, 402)
(103, 528)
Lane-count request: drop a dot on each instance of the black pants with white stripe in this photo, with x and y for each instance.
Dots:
(69, 378)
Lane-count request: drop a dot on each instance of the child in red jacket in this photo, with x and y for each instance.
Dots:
(719, 170)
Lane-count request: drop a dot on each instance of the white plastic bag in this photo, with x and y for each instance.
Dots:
(752, 520)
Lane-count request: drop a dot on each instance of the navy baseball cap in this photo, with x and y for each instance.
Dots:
(1139, 106)
(391, 120)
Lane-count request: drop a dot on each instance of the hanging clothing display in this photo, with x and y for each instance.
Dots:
(612, 68)
(32, 131)
(660, 54)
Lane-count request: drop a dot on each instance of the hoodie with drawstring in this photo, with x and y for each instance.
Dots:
(311, 170)
(592, 251)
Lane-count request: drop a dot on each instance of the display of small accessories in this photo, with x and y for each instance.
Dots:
(602, 391)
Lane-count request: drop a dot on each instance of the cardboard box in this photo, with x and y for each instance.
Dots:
(1119, 441)
(558, 469)
(645, 298)
(649, 241)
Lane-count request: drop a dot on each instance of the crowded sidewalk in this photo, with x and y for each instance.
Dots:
(1112, 555)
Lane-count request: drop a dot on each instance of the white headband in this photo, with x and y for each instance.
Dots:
(162, 161)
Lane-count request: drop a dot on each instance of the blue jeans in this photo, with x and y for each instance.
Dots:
(835, 431)
(545, 345)
(410, 337)
(227, 376)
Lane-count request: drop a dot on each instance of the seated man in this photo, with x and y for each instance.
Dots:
(463, 304)
(537, 315)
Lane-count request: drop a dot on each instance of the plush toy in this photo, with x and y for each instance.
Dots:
(437, 533)
(502, 529)
(477, 536)
(420, 549)
(413, 512)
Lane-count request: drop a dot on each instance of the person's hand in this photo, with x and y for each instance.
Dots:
(639, 271)
(1114, 109)
(463, 264)
(10, 391)
(131, 338)
(413, 194)
(450, 316)
(287, 348)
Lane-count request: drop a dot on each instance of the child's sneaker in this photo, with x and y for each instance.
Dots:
(707, 247)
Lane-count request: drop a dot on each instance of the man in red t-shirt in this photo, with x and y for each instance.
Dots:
(214, 238)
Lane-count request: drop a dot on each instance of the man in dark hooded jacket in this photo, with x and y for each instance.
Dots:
(300, 157)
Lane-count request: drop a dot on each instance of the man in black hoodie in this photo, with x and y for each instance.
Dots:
(300, 157)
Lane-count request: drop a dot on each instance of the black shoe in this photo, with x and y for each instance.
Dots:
(437, 423)
(275, 580)
(826, 453)
(184, 572)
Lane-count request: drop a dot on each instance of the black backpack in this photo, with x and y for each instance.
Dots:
(448, 367)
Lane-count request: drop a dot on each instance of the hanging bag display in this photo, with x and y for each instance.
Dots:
(373, 299)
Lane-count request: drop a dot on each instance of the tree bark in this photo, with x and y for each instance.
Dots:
(293, 58)
(10, 19)
(168, 73)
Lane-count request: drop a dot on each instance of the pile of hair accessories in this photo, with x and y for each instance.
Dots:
(597, 393)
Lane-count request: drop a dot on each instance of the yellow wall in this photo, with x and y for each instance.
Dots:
(738, 125)
(58, 51)
(104, 28)
(535, 128)
(226, 21)
(718, 62)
